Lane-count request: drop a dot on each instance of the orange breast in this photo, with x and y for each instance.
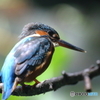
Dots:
(31, 75)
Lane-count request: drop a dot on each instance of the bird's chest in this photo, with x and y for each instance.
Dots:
(31, 75)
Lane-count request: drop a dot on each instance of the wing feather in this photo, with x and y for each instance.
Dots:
(31, 54)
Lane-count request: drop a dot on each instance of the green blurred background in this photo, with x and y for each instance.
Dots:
(77, 22)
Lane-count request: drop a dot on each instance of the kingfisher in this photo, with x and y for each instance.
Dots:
(31, 56)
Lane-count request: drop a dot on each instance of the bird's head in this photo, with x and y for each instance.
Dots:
(39, 29)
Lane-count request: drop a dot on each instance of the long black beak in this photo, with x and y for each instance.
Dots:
(70, 46)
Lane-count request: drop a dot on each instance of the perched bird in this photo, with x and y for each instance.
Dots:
(31, 56)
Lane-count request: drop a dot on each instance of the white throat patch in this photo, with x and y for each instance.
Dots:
(55, 44)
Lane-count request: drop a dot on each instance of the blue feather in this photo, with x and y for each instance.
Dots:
(27, 54)
(8, 76)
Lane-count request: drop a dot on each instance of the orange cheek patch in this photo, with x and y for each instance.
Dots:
(40, 32)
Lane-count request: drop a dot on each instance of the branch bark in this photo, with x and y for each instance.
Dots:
(57, 82)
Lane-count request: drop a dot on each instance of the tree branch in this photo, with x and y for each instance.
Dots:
(57, 82)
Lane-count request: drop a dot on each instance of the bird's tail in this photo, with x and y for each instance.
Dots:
(7, 89)
(6, 94)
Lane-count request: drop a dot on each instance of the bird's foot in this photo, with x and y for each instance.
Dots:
(36, 82)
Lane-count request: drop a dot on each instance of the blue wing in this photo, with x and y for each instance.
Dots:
(26, 55)
(31, 54)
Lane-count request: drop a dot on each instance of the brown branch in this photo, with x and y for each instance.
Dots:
(58, 82)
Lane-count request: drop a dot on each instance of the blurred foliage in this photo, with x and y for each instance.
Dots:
(77, 22)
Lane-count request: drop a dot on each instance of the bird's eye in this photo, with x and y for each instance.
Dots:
(55, 36)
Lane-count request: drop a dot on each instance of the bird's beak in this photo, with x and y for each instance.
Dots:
(70, 46)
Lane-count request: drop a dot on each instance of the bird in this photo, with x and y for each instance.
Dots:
(31, 56)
